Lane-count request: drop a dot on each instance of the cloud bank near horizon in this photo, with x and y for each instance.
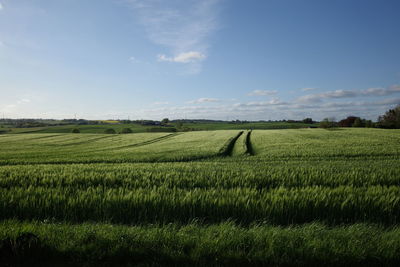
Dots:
(338, 104)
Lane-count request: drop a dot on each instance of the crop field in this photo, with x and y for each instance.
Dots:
(227, 197)
(139, 128)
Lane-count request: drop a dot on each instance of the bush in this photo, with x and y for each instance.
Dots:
(110, 131)
(327, 123)
(75, 130)
(126, 131)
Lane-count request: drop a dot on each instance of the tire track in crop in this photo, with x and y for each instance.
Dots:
(148, 142)
(44, 137)
(249, 146)
(227, 149)
(86, 141)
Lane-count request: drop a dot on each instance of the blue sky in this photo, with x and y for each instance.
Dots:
(211, 59)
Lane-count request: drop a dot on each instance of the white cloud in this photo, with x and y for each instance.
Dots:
(273, 109)
(186, 57)
(316, 98)
(308, 89)
(182, 26)
(381, 91)
(23, 100)
(203, 100)
(10, 108)
(1, 6)
(262, 92)
(160, 103)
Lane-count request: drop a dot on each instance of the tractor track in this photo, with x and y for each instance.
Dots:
(249, 146)
(227, 149)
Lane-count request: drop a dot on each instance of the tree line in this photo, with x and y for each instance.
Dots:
(390, 120)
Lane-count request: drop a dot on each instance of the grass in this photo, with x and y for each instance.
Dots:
(295, 197)
(220, 244)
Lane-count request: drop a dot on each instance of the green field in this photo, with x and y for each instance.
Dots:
(173, 126)
(293, 197)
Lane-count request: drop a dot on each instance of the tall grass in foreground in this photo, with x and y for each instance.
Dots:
(221, 244)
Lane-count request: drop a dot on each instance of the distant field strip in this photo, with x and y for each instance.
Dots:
(96, 148)
(319, 144)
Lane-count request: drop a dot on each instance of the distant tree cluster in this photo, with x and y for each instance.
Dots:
(353, 121)
(328, 123)
(308, 120)
(391, 119)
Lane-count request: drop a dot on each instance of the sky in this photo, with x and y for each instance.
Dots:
(199, 59)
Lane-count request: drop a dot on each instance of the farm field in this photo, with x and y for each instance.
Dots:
(172, 127)
(280, 198)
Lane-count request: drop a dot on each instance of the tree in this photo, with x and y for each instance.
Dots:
(165, 121)
(348, 122)
(391, 119)
(75, 130)
(327, 123)
(126, 131)
(308, 120)
(357, 123)
(110, 131)
(369, 124)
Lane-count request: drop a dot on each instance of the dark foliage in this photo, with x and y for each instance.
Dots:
(328, 123)
(391, 119)
(110, 131)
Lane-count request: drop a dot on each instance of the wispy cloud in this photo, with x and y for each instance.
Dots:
(274, 109)
(23, 100)
(262, 92)
(160, 103)
(187, 57)
(133, 59)
(1, 6)
(203, 100)
(381, 91)
(308, 89)
(182, 26)
(14, 106)
(316, 98)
